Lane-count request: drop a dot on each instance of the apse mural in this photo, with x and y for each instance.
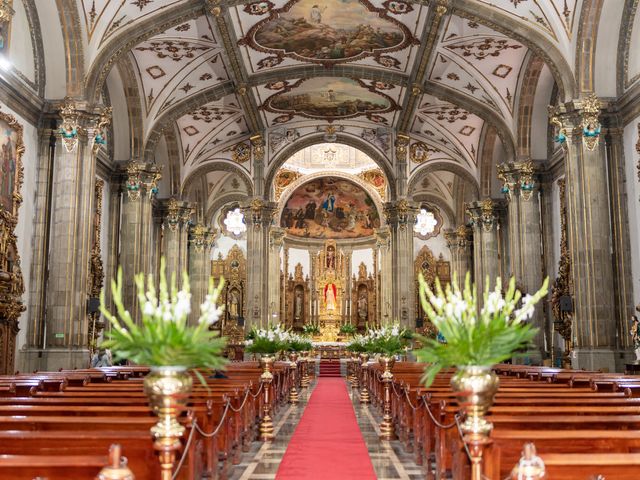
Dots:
(330, 31)
(9, 140)
(329, 98)
(331, 208)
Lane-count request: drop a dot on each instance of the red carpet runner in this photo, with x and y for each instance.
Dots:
(327, 444)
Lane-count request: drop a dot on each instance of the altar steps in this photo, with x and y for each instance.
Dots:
(329, 368)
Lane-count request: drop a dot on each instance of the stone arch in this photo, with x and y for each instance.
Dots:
(73, 47)
(375, 196)
(586, 44)
(438, 202)
(36, 40)
(624, 46)
(526, 99)
(344, 139)
(221, 202)
(442, 165)
(220, 165)
(134, 105)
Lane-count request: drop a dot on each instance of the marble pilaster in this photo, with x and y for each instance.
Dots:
(385, 294)
(137, 242)
(201, 240)
(175, 236)
(458, 243)
(276, 238)
(521, 189)
(258, 215)
(401, 217)
(486, 261)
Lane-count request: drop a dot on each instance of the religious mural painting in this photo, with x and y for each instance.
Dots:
(330, 98)
(330, 208)
(8, 165)
(329, 32)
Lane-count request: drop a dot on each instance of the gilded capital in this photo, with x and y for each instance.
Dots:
(402, 145)
(257, 145)
(483, 214)
(142, 178)
(518, 179)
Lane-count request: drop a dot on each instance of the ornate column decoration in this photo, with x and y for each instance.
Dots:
(258, 151)
(96, 269)
(6, 12)
(401, 216)
(464, 258)
(142, 177)
(70, 126)
(520, 186)
(11, 279)
(401, 150)
(561, 291)
(589, 233)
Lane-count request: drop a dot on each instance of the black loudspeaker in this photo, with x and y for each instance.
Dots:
(566, 303)
(241, 321)
(93, 305)
(419, 322)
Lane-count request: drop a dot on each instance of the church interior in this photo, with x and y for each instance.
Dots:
(317, 171)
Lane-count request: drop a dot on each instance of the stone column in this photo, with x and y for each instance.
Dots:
(72, 210)
(589, 231)
(276, 238)
(385, 294)
(257, 215)
(137, 242)
(346, 295)
(452, 244)
(313, 275)
(175, 227)
(401, 217)
(201, 240)
(521, 189)
(484, 217)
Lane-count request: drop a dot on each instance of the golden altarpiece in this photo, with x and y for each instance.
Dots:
(431, 269)
(234, 270)
(11, 280)
(363, 298)
(298, 299)
(329, 284)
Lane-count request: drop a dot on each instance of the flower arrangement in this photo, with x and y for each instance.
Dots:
(163, 337)
(389, 340)
(311, 329)
(348, 329)
(298, 343)
(359, 344)
(484, 339)
(267, 341)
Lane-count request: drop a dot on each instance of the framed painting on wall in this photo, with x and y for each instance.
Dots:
(6, 13)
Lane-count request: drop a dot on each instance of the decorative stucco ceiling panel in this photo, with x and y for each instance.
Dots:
(381, 34)
(450, 127)
(103, 18)
(207, 128)
(177, 64)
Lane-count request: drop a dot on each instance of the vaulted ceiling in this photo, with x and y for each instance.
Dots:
(464, 79)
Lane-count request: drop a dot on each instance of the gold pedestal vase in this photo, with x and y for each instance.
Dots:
(168, 391)
(476, 387)
(266, 424)
(387, 431)
(355, 382)
(293, 366)
(364, 391)
(304, 360)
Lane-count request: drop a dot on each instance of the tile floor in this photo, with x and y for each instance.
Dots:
(389, 459)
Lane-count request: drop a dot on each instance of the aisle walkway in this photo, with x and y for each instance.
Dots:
(390, 461)
(327, 443)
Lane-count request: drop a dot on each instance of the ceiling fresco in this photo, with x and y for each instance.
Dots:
(329, 208)
(383, 35)
(329, 98)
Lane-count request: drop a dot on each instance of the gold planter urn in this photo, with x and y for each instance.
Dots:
(476, 387)
(168, 391)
